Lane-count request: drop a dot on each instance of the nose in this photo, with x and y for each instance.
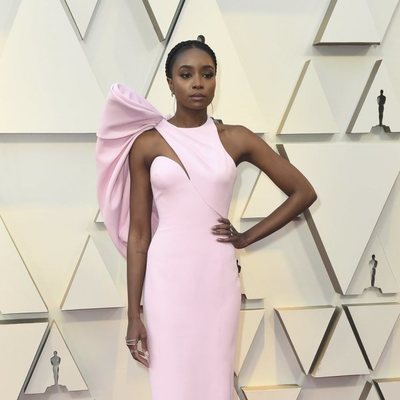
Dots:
(197, 83)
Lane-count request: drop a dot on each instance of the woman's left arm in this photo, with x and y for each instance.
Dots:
(288, 178)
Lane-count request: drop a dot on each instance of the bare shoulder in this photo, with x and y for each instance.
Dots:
(144, 145)
(239, 139)
(145, 141)
(235, 132)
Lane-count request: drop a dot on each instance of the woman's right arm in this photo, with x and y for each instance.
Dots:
(139, 237)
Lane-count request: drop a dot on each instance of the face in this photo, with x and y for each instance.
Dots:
(193, 79)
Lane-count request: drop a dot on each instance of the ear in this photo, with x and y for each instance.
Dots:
(170, 84)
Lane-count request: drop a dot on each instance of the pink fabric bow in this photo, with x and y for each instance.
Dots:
(126, 115)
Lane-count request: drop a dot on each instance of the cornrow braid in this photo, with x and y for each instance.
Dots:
(186, 45)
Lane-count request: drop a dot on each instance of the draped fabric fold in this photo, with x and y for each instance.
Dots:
(125, 116)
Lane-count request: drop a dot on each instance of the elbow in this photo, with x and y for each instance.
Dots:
(310, 196)
(305, 196)
(139, 240)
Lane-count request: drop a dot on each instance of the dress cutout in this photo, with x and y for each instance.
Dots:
(191, 291)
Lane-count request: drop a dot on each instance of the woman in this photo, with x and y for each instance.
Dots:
(164, 190)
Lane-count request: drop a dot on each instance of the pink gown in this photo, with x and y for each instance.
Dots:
(191, 291)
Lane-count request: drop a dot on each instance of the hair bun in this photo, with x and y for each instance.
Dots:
(201, 38)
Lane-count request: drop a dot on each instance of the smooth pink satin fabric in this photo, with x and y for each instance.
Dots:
(125, 116)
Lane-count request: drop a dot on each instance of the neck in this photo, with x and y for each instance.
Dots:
(189, 118)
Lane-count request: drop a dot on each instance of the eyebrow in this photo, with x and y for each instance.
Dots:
(191, 66)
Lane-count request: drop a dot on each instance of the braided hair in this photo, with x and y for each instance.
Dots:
(186, 45)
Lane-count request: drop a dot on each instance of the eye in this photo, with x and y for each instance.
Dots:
(185, 75)
(208, 75)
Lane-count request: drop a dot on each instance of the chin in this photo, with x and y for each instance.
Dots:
(197, 107)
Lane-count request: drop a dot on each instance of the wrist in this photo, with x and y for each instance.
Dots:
(134, 319)
(245, 239)
(134, 315)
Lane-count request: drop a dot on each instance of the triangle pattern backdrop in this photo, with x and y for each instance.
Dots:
(82, 13)
(249, 322)
(384, 244)
(371, 395)
(385, 280)
(91, 285)
(388, 230)
(366, 113)
(343, 79)
(372, 17)
(341, 354)
(18, 345)
(390, 388)
(42, 376)
(305, 328)
(374, 324)
(341, 184)
(18, 292)
(58, 96)
(308, 110)
(382, 13)
(162, 14)
(245, 109)
(264, 198)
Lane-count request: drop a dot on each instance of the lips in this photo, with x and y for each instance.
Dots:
(198, 96)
